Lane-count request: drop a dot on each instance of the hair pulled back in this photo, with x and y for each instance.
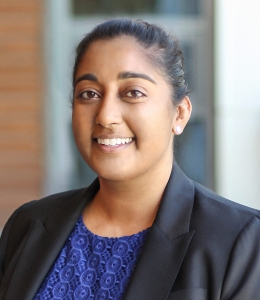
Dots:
(162, 49)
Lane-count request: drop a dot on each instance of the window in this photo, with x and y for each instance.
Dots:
(119, 7)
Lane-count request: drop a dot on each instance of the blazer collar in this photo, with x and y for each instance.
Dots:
(173, 217)
(72, 209)
(167, 242)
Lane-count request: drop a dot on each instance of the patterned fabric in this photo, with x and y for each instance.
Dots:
(92, 267)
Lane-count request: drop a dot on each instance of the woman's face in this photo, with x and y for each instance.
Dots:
(123, 113)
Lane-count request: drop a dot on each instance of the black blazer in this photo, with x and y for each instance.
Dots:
(201, 246)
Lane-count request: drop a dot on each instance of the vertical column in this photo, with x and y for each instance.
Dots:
(237, 106)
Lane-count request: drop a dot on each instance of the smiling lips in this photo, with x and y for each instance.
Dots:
(115, 141)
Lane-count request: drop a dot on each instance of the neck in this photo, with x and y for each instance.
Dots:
(127, 207)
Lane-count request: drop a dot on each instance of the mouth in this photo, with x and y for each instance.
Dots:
(114, 142)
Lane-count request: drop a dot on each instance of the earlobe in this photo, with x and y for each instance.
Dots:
(182, 117)
(178, 130)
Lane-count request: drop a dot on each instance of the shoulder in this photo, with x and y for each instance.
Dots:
(39, 209)
(208, 198)
(228, 233)
(224, 217)
(20, 220)
(61, 205)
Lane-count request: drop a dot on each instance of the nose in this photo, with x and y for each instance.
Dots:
(109, 111)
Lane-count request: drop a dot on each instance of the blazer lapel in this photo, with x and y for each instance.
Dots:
(42, 245)
(167, 242)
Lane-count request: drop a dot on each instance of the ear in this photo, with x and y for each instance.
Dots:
(182, 115)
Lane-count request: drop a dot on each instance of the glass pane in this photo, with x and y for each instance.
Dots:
(188, 53)
(179, 7)
(117, 7)
(90, 7)
(190, 151)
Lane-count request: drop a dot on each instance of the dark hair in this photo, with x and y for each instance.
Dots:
(161, 48)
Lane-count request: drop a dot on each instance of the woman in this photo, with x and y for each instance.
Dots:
(142, 230)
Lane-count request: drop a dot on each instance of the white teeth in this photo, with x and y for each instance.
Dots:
(115, 141)
(112, 142)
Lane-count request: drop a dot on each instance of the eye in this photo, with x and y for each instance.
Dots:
(134, 94)
(88, 95)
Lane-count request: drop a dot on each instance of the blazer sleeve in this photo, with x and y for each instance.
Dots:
(4, 243)
(242, 279)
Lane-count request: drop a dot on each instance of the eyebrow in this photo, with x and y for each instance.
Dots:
(127, 75)
(88, 76)
(122, 75)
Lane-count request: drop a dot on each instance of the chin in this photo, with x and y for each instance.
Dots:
(113, 173)
(113, 169)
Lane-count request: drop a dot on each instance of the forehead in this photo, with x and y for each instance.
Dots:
(121, 43)
(121, 52)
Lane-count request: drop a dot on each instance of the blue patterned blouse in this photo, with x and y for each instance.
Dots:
(92, 267)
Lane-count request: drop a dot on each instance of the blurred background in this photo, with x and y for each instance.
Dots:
(220, 147)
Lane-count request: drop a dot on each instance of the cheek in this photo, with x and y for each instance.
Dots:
(76, 122)
(81, 125)
(154, 118)
(152, 128)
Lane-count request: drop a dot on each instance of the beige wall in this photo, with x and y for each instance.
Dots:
(21, 95)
